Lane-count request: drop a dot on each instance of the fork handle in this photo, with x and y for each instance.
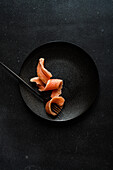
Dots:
(21, 80)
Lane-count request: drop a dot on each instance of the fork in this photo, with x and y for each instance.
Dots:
(55, 108)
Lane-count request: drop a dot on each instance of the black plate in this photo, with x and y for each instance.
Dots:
(70, 63)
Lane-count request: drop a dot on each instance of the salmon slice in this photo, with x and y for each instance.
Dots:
(43, 73)
(44, 83)
(58, 100)
(52, 84)
(56, 93)
(38, 82)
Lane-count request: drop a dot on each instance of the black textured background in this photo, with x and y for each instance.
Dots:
(28, 142)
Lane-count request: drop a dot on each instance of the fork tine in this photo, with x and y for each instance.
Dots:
(54, 108)
(57, 106)
(55, 111)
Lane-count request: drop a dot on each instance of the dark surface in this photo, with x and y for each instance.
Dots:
(69, 63)
(28, 142)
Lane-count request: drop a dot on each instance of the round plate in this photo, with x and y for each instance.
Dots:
(71, 64)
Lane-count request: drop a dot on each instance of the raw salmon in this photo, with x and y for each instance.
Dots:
(43, 73)
(58, 100)
(52, 84)
(38, 82)
(44, 83)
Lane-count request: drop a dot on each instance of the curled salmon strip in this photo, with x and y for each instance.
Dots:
(44, 83)
(52, 84)
(43, 73)
(56, 92)
(58, 100)
(38, 82)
